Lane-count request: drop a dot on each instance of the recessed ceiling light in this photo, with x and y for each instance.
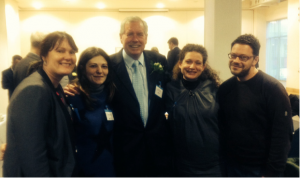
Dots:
(37, 5)
(101, 5)
(160, 5)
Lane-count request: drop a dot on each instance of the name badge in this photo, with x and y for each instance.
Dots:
(109, 114)
(158, 91)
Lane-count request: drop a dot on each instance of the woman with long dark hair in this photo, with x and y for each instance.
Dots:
(92, 114)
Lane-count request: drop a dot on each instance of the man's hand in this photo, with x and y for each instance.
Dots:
(2, 150)
(71, 90)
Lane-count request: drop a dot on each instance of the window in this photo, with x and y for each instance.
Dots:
(277, 49)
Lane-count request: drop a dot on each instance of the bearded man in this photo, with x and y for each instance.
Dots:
(255, 116)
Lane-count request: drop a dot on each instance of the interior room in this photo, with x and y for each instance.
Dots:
(97, 23)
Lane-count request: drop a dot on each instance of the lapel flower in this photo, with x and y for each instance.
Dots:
(74, 74)
(157, 67)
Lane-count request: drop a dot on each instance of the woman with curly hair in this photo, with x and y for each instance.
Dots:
(192, 107)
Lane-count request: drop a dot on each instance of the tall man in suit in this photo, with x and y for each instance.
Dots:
(21, 70)
(173, 54)
(141, 140)
(7, 75)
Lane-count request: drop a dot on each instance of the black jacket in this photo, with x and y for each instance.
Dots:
(7, 81)
(194, 126)
(139, 151)
(39, 131)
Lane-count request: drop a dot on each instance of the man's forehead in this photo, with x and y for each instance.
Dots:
(130, 25)
(242, 47)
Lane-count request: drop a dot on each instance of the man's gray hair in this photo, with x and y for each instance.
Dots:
(36, 39)
(133, 19)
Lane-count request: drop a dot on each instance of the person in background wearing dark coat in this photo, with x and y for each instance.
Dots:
(92, 115)
(7, 75)
(173, 54)
(21, 70)
(39, 127)
(154, 49)
(255, 116)
(192, 108)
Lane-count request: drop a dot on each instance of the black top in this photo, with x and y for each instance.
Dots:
(194, 127)
(255, 122)
(39, 131)
(21, 69)
(173, 56)
(190, 85)
(7, 80)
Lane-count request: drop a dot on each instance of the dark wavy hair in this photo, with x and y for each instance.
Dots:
(83, 83)
(208, 72)
(48, 44)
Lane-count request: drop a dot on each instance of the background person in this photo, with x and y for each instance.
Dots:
(7, 75)
(192, 107)
(255, 115)
(173, 54)
(93, 128)
(154, 49)
(39, 128)
(21, 70)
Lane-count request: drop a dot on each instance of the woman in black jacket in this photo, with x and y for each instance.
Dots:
(39, 127)
(192, 107)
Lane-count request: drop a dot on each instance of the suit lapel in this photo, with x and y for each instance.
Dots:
(122, 74)
(151, 79)
(150, 76)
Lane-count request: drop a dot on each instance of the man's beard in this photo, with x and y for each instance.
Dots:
(241, 74)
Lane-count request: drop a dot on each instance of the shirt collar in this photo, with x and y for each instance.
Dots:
(129, 60)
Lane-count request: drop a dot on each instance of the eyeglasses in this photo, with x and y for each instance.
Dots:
(241, 57)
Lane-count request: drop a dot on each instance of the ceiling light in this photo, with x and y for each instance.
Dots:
(160, 5)
(37, 5)
(101, 5)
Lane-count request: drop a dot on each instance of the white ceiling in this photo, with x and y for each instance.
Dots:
(113, 4)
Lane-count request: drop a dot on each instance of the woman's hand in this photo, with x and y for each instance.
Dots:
(2, 151)
(71, 90)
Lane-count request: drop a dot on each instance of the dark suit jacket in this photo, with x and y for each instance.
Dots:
(172, 58)
(39, 129)
(21, 69)
(7, 81)
(139, 151)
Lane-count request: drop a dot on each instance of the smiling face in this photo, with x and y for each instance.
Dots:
(60, 61)
(192, 66)
(243, 70)
(134, 39)
(97, 70)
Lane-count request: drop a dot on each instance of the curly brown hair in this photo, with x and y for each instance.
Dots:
(208, 72)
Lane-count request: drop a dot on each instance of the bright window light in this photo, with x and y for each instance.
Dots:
(101, 5)
(37, 5)
(160, 5)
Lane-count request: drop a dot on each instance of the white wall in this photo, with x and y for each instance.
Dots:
(102, 28)
(293, 45)
(9, 41)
